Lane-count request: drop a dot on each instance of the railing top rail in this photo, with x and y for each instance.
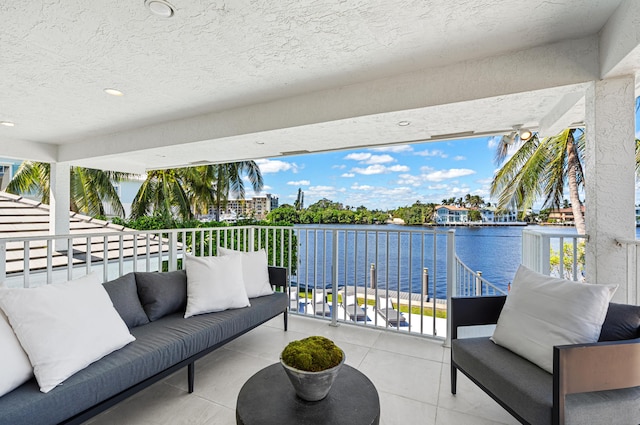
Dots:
(357, 228)
(555, 234)
(110, 232)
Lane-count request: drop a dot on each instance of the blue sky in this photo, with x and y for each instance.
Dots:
(385, 178)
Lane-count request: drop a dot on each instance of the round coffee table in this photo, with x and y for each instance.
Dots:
(269, 398)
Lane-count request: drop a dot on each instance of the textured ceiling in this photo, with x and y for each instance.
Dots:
(208, 83)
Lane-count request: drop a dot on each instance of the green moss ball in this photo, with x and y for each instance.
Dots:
(312, 354)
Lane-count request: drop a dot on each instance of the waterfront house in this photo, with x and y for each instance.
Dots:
(562, 215)
(111, 86)
(451, 214)
(492, 215)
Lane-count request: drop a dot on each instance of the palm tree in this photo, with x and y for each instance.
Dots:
(89, 188)
(542, 169)
(184, 192)
(228, 179)
(165, 193)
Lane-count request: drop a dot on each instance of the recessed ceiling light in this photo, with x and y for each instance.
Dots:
(404, 123)
(160, 8)
(7, 123)
(113, 92)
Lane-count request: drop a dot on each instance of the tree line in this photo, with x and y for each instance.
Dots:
(326, 211)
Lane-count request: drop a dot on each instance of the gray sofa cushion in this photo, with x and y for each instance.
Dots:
(622, 322)
(124, 296)
(513, 379)
(162, 293)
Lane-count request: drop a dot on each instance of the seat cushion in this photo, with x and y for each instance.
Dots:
(519, 383)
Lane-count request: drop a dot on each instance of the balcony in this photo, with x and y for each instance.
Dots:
(408, 363)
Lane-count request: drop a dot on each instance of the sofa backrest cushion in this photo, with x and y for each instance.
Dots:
(162, 293)
(124, 296)
(541, 312)
(16, 368)
(622, 322)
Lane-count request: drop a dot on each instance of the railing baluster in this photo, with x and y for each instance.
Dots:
(26, 270)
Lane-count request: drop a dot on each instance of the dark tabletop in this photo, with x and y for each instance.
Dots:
(269, 398)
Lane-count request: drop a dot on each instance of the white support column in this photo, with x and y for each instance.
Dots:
(610, 180)
(59, 201)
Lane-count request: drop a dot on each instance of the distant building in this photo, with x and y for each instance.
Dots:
(451, 214)
(257, 207)
(562, 215)
(491, 215)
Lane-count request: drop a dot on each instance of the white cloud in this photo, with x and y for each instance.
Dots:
(358, 156)
(275, 166)
(459, 158)
(398, 168)
(379, 159)
(313, 193)
(371, 169)
(348, 175)
(394, 149)
(357, 186)
(438, 186)
(410, 180)
(299, 183)
(435, 152)
(367, 158)
(380, 169)
(339, 166)
(484, 181)
(438, 176)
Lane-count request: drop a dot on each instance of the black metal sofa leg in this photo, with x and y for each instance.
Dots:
(454, 379)
(286, 319)
(190, 376)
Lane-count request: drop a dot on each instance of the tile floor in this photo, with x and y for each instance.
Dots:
(410, 373)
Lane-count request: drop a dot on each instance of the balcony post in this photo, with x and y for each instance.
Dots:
(173, 251)
(610, 180)
(334, 284)
(59, 200)
(372, 276)
(478, 283)
(451, 280)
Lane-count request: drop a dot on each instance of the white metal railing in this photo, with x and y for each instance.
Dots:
(470, 283)
(632, 247)
(416, 270)
(558, 254)
(36, 260)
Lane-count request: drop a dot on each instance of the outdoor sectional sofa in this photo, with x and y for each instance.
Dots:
(592, 383)
(165, 343)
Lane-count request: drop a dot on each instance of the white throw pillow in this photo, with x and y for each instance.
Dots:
(542, 311)
(255, 271)
(64, 327)
(15, 369)
(214, 284)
